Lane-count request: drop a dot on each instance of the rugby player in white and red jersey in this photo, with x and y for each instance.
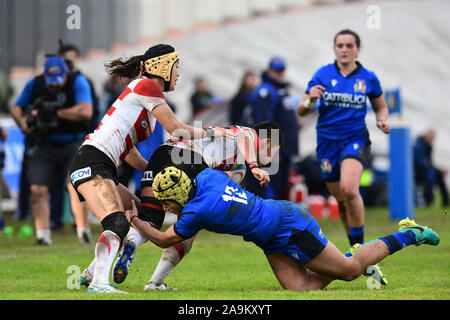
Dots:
(130, 119)
(255, 146)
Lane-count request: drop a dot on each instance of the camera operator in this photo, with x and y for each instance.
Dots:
(71, 54)
(55, 107)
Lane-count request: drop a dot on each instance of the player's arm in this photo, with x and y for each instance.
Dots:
(136, 160)
(247, 147)
(162, 239)
(176, 128)
(309, 99)
(380, 108)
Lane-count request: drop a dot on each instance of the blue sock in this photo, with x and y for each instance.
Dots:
(356, 235)
(399, 240)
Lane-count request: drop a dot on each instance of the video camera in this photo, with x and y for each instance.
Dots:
(42, 114)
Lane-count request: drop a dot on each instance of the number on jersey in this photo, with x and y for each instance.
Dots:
(232, 194)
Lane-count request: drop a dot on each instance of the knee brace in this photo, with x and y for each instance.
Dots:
(117, 223)
(152, 211)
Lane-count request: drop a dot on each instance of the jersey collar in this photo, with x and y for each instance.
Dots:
(358, 67)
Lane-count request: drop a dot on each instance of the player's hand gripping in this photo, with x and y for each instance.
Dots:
(261, 175)
(218, 132)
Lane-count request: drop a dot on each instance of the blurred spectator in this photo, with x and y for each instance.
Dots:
(271, 101)
(3, 137)
(71, 54)
(112, 89)
(23, 202)
(426, 175)
(55, 107)
(239, 101)
(6, 91)
(201, 97)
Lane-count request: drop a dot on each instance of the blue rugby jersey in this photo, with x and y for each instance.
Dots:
(343, 107)
(222, 206)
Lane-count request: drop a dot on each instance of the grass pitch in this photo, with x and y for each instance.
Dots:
(221, 267)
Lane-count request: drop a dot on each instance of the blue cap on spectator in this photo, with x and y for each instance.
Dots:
(277, 63)
(55, 69)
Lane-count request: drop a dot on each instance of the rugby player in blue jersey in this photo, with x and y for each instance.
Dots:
(300, 255)
(342, 90)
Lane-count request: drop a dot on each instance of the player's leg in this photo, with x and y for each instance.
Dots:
(80, 212)
(351, 171)
(132, 240)
(104, 200)
(332, 263)
(172, 256)
(126, 197)
(41, 172)
(40, 209)
(151, 212)
(169, 260)
(293, 276)
(335, 190)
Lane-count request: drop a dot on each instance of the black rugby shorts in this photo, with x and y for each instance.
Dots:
(191, 163)
(89, 162)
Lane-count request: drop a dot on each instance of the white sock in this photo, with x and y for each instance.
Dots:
(91, 267)
(136, 237)
(163, 269)
(44, 234)
(169, 259)
(105, 252)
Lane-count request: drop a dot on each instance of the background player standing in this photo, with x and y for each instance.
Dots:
(343, 145)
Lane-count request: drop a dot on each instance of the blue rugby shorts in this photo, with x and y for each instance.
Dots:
(331, 153)
(298, 236)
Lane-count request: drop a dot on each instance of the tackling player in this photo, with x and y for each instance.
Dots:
(300, 255)
(256, 147)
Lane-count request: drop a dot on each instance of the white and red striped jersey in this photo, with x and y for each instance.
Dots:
(221, 153)
(128, 121)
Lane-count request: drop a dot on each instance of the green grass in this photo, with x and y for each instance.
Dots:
(221, 267)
